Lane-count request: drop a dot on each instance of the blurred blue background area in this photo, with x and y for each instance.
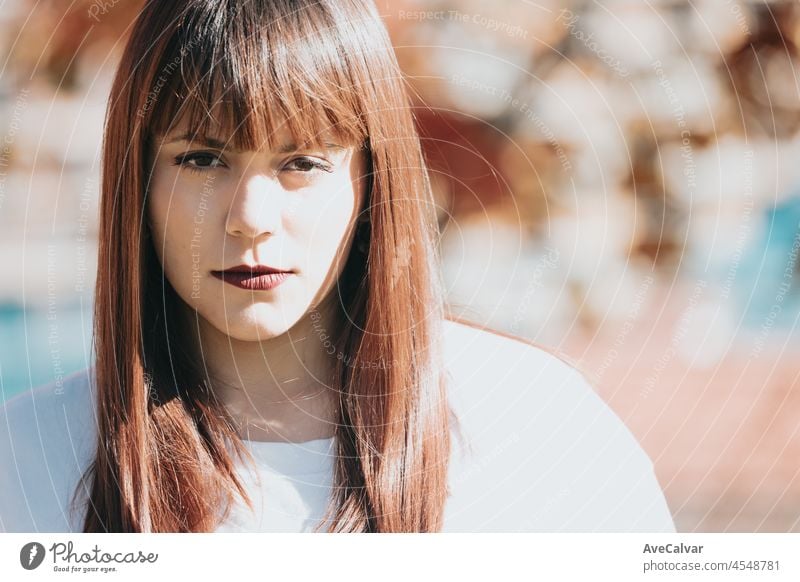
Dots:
(36, 350)
(769, 288)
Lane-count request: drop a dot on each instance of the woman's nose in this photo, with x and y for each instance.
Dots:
(256, 207)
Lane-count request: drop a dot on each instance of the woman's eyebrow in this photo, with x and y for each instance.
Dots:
(205, 140)
(212, 142)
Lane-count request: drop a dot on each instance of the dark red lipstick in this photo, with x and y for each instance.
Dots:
(255, 278)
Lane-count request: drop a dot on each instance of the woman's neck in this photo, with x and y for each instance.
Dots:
(280, 389)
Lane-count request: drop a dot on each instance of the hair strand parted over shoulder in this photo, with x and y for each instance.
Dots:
(242, 71)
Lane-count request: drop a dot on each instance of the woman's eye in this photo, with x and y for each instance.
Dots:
(198, 161)
(307, 165)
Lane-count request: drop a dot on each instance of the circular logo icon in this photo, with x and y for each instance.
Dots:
(31, 555)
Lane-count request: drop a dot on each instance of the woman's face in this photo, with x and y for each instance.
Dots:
(293, 209)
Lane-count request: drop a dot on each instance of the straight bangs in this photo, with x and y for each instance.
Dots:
(251, 74)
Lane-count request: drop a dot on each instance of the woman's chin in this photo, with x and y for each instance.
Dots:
(255, 324)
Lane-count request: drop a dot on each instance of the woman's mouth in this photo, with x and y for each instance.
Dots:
(256, 278)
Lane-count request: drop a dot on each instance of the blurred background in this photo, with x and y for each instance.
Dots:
(616, 180)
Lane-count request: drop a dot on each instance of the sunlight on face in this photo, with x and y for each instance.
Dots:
(293, 209)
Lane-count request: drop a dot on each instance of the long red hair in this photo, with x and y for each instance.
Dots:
(165, 452)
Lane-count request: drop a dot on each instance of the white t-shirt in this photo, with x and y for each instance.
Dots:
(543, 453)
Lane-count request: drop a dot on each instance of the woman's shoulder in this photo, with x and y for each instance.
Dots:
(473, 350)
(47, 437)
(543, 452)
(486, 363)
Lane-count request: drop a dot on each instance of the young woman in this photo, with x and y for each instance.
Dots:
(272, 347)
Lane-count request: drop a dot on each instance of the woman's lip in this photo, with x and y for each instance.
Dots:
(256, 269)
(253, 281)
